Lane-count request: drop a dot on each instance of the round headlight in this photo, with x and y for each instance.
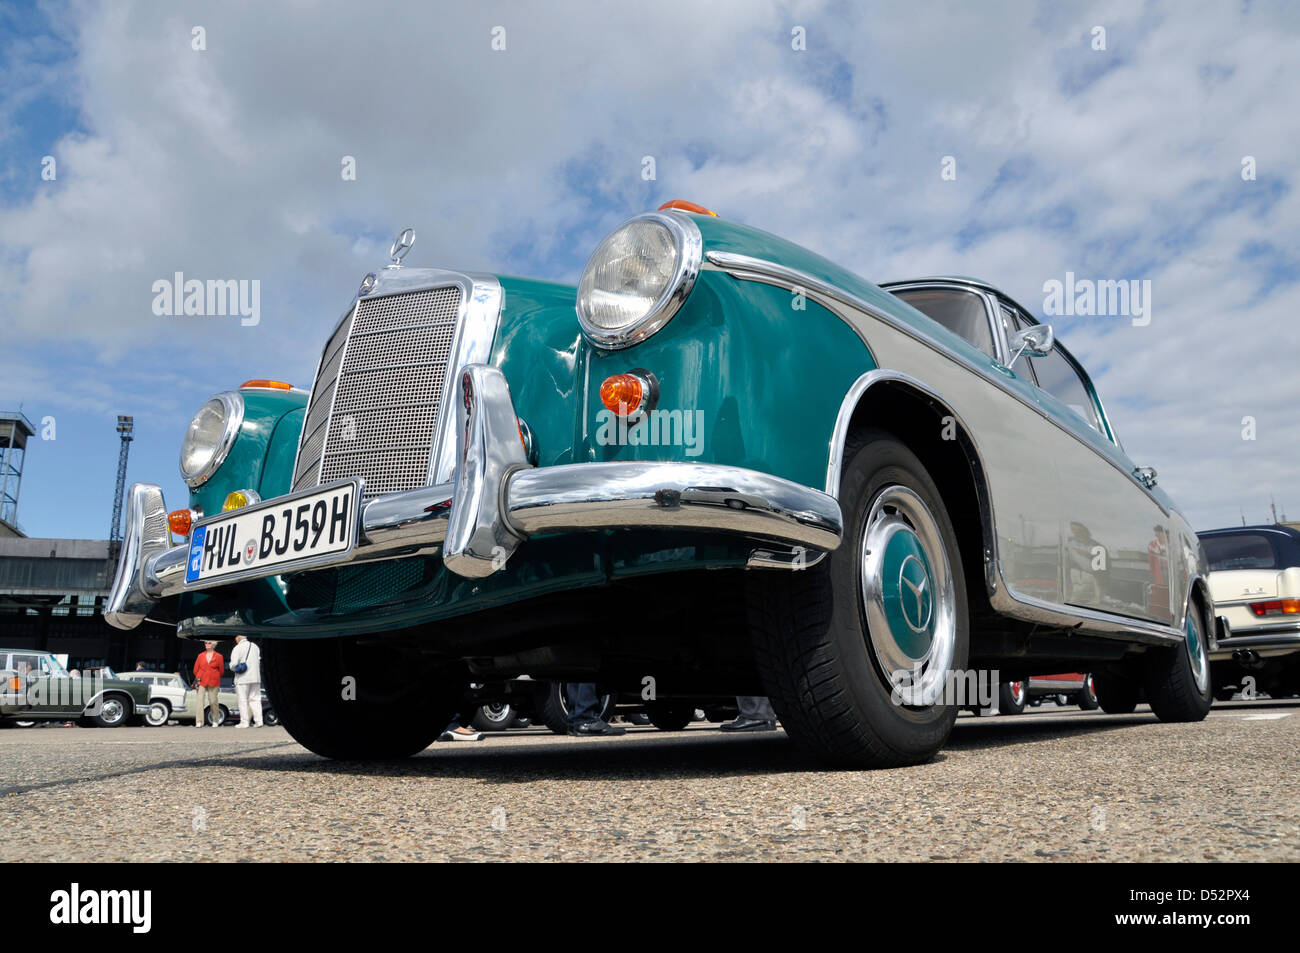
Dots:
(210, 436)
(637, 278)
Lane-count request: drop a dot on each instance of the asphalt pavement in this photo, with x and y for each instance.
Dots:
(1051, 784)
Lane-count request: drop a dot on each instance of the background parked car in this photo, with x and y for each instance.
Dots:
(35, 686)
(1071, 688)
(171, 690)
(1255, 581)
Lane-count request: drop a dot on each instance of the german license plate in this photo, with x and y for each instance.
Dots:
(266, 538)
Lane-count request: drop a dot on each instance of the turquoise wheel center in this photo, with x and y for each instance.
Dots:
(908, 589)
(1193, 640)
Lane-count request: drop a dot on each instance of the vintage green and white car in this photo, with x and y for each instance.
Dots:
(34, 686)
(738, 469)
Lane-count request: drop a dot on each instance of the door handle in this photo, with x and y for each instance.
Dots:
(1146, 476)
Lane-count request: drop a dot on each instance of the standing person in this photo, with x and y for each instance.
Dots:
(584, 711)
(207, 679)
(756, 714)
(248, 681)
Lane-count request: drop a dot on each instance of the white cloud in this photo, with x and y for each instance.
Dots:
(225, 163)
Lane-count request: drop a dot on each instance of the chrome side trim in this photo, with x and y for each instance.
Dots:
(690, 244)
(479, 539)
(748, 268)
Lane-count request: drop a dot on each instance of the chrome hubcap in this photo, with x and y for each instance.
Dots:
(112, 710)
(908, 596)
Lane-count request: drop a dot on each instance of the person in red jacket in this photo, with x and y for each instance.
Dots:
(207, 679)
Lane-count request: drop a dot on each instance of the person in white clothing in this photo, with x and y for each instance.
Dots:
(248, 682)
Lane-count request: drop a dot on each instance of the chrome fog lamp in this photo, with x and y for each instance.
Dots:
(637, 278)
(210, 436)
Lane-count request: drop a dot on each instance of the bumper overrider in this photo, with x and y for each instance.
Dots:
(497, 500)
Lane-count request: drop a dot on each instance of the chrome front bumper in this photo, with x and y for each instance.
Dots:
(497, 500)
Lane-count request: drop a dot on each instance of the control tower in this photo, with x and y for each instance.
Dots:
(14, 431)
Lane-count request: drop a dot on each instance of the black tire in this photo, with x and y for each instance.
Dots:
(1178, 683)
(496, 717)
(1087, 697)
(670, 716)
(1224, 694)
(555, 709)
(223, 715)
(114, 711)
(824, 667)
(359, 702)
(269, 717)
(1012, 697)
(1116, 694)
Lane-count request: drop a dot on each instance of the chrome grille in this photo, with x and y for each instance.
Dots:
(374, 407)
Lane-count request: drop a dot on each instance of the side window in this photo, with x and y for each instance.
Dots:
(1059, 378)
(961, 312)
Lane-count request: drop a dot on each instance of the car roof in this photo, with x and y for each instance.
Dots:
(1286, 531)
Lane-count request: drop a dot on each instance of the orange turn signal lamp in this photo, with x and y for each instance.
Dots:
(686, 206)
(16, 683)
(265, 384)
(180, 521)
(627, 394)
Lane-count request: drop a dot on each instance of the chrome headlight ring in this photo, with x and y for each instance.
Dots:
(689, 248)
(232, 409)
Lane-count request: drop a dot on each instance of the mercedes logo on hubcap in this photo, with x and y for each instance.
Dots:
(914, 594)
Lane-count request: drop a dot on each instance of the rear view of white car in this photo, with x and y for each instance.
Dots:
(1255, 583)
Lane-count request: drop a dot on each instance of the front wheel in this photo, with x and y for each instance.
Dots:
(1178, 679)
(350, 700)
(157, 714)
(856, 652)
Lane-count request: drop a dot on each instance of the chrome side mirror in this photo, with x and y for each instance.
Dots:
(1036, 341)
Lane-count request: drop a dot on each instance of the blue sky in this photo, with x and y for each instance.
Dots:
(1120, 162)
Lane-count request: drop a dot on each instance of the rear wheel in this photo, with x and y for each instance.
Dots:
(555, 710)
(668, 716)
(1088, 694)
(223, 716)
(113, 712)
(1116, 694)
(352, 701)
(498, 716)
(856, 652)
(1178, 679)
(1012, 697)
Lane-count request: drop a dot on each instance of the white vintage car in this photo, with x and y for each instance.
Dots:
(181, 702)
(1255, 582)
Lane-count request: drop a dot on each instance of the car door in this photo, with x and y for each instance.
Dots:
(1115, 530)
(1023, 481)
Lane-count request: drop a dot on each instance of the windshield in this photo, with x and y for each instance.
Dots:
(1239, 551)
(53, 667)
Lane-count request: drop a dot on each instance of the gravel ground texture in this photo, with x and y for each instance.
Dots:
(1052, 784)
